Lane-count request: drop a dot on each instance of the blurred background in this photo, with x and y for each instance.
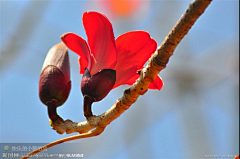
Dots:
(195, 114)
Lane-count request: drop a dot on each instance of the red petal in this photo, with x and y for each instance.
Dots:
(133, 50)
(100, 40)
(157, 84)
(78, 45)
(83, 64)
(131, 81)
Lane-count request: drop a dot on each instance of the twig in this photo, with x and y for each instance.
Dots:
(95, 132)
(156, 63)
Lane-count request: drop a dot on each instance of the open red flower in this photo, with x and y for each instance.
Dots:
(103, 56)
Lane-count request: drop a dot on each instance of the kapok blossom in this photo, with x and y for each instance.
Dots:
(108, 63)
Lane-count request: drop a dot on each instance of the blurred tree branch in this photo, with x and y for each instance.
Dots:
(156, 63)
(19, 39)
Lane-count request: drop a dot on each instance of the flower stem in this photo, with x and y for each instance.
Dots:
(87, 106)
(52, 110)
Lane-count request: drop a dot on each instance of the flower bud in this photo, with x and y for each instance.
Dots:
(54, 83)
(94, 88)
(98, 85)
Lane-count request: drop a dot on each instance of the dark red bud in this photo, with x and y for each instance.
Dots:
(54, 83)
(98, 85)
(95, 88)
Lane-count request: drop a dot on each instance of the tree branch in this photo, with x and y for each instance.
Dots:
(156, 63)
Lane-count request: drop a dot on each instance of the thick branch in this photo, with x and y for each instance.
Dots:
(194, 11)
(156, 63)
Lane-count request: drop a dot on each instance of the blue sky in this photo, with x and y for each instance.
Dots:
(195, 114)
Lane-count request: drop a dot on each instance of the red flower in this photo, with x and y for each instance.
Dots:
(120, 59)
